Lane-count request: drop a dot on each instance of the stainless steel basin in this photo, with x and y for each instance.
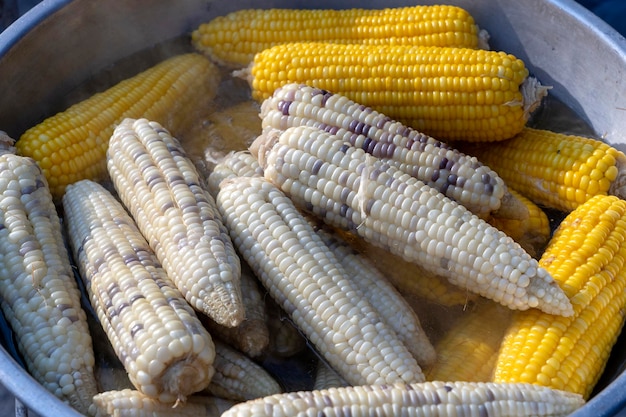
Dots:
(55, 47)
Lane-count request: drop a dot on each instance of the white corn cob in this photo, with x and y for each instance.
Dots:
(131, 403)
(233, 165)
(161, 188)
(39, 295)
(383, 297)
(238, 378)
(286, 339)
(459, 176)
(436, 399)
(353, 190)
(326, 377)
(251, 336)
(306, 280)
(156, 335)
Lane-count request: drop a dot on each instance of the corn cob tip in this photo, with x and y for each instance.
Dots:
(533, 92)
(6, 143)
(546, 294)
(618, 185)
(511, 208)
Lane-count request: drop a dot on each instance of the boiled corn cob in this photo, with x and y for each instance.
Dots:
(532, 233)
(447, 93)
(306, 280)
(167, 198)
(38, 293)
(286, 340)
(460, 399)
(238, 378)
(326, 377)
(132, 403)
(587, 256)
(251, 336)
(370, 283)
(352, 190)
(233, 165)
(557, 170)
(72, 144)
(233, 40)
(155, 333)
(382, 296)
(461, 177)
(468, 350)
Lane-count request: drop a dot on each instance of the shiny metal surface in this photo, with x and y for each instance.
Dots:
(58, 44)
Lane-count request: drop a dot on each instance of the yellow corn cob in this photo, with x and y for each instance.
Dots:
(468, 350)
(382, 296)
(238, 378)
(532, 233)
(587, 256)
(72, 144)
(251, 336)
(301, 273)
(461, 177)
(352, 190)
(167, 198)
(38, 293)
(447, 93)
(132, 403)
(155, 333)
(326, 377)
(557, 170)
(428, 399)
(234, 39)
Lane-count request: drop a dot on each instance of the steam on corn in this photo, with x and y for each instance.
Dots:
(72, 144)
(232, 40)
(38, 293)
(557, 170)
(447, 93)
(167, 198)
(352, 190)
(156, 335)
(587, 256)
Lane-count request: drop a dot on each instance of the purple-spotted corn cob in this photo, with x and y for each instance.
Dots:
(353, 190)
(459, 176)
(428, 399)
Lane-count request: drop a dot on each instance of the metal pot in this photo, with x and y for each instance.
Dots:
(57, 45)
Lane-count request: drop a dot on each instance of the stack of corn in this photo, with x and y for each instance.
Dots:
(358, 112)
